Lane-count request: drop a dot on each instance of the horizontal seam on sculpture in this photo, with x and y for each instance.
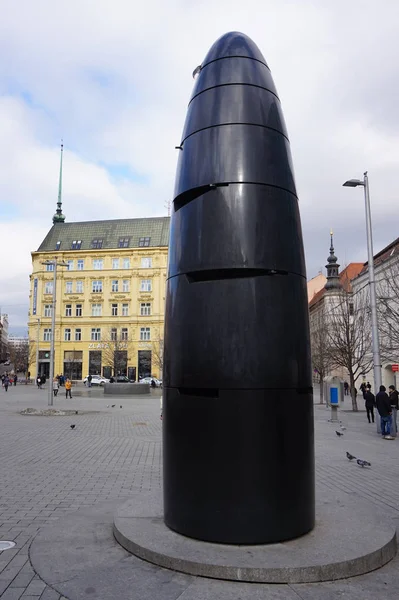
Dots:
(226, 184)
(212, 87)
(234, 123)
(236, 56)
(187, 273)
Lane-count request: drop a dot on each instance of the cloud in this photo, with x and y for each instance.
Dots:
(114, 79)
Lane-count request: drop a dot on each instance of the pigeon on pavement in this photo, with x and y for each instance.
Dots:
(120, 406)
(339, 434)
(73, 426)
(350, 456)
(112, 405)
(363, 463)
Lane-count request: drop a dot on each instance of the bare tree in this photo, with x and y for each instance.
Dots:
(19, 356)
(388, 311)
(322, 356)
(157, 353)
(349, 336)
(115, 348)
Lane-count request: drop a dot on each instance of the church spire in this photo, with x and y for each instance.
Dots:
(59, 217)
(332, 266)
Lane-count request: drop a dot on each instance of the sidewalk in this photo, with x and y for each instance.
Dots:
(48, 470)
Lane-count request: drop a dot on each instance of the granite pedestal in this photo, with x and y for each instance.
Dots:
(126, 389)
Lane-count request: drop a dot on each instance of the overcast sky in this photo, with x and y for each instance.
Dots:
(113, 78)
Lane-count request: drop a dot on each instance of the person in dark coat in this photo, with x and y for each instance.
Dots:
(6, 382)
(384, 409)
(370, 403)
(394, 400)
(346, 388)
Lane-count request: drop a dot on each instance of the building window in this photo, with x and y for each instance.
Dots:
(68, 310)
(76, 244)
(125, 310)
(96, 334)
(114, 334)
(126, 263)
(50, 267)
(97, 286)
(68, 287)
(96, 310)
(114, 310)
(115, 263)
(98, 263)
(125, 285)
(78, 310)
(79, 287)
(47, 335)
(123, 242)
(67, 335)
(145, 309)
(48, 287)
(145, 334)
(115, 285)
(81, 264)
(70, 264)
(78, 335)
(124, 334)
(48, 310)
(145, 285)
(97, 243)
(58, 245)
(146, 263)
(144, 241)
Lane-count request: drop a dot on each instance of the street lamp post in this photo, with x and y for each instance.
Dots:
(373, 296)
(37, 348)
(55, 264)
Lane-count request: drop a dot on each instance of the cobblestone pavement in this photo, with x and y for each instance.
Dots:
(48, 469)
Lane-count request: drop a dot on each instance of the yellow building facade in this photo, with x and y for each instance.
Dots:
(110, 298)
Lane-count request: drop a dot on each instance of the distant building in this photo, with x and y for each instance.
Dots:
(3, 337)
(109, 300)
(17, 341)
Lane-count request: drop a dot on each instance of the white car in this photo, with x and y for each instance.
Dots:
(96, 380)
(158, 382)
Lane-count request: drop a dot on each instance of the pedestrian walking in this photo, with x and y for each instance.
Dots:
(394, 400)
(384, 409)
(6, 382)
(346, 388)
(68, 387)
(39, 382)
(15, 379)
(370, 404)
(56, 386)
(89, 380)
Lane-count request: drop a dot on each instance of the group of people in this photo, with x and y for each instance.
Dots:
(387, 407)
(7, 380)
(66, 382)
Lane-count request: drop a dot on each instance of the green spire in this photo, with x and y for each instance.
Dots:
(59, 217)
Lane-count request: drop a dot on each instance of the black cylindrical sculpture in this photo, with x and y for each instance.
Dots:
(238, 406)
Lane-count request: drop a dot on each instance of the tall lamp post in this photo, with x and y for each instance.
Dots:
(55, 264)
(373, 297)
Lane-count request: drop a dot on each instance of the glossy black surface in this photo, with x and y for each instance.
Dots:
(237, 400)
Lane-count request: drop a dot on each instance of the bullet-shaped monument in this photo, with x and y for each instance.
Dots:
(238, 442)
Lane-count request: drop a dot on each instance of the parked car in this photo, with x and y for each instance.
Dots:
(158, 382)
(123, 379)
(96, 380)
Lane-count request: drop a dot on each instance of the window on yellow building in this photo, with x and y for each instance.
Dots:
(96, 310)
(70, 264)
(81, 264)
(79, 287)
(78, 310)
(67, 335)
(126, 263)
(96, 334)
(68, 310)
(78, 335)
(144, 241)
(146, 262)
(115, 263)
(48, 310)
(48, 287)
(123, 242)
(68, 287)
(47, 335)
(115, 285)
(145, 334)
(114, 334)
(145, 309)
(114, 310)
(145, 285)
(98, 263)
(124, 334)
(97, 286)
(125, 310)
(125, 285)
